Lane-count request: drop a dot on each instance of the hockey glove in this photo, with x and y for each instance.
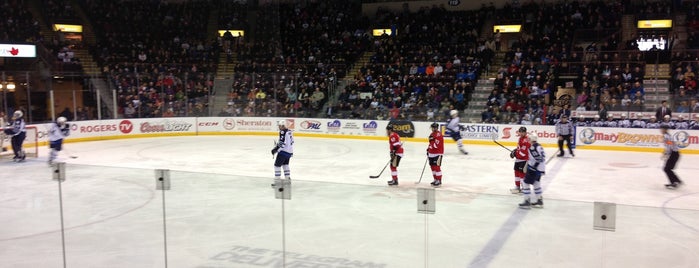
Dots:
(275, 150)
(512, 154)
(393, 154)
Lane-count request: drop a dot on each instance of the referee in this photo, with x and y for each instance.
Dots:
(564, 130)
(670, 155)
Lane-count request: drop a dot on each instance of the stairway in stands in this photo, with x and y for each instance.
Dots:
(479, 98)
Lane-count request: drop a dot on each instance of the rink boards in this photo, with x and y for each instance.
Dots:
(621, 139)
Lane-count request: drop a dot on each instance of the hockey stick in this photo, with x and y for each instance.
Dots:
(495, 136)
(70, 154)
(384, 168)
(423, 171)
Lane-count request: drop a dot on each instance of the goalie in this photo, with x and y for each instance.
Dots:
(59, 130)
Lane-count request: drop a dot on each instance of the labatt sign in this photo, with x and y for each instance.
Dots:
(642, 138)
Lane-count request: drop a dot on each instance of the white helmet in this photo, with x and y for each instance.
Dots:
(61, 120)
(453, 113)
(533, 138)
(639, 115)
(18, 114)
(281, 123)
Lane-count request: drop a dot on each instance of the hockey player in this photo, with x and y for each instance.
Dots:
(434, 154)
(454, 130)
(667, 121)
(653, 123)
(681, 123)
(521, 155)
(694, 124)
(639, 122)
(17, 130)
(597, 122)
(59, 130)
(284, 150)
(564, 130)
(671, 154)
(536, 166)
(396, 152)
(624, 122)
(610, 122)
(581, 121)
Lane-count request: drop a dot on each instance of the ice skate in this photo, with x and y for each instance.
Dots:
(463, 151)
(539, 203)
(672, 186)
(393, 183)
(525, 205)
(516, 190)
(436, 183)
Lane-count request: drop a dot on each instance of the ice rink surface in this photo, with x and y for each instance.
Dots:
(221, 211)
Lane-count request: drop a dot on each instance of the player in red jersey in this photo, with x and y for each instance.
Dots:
(521, 155)
(434, 153)
(396, 150)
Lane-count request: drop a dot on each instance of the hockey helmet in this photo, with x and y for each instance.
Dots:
(434, 125)
(61, 120)
(453, 113)
(533, 138)
(389, 127)
(667, 116)
(639, 115)
(522, 129)
(281, 123)
(18, 114)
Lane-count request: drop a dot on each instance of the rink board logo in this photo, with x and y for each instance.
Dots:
(165, 126)
(403, 128)
(125, 126)
(684, 139)
(478, 132)
(262, 257)
(228, 124)
(334, 125)
(587, 136)
(310, 125)
(242, 124)
(350, 125)
(370, 126)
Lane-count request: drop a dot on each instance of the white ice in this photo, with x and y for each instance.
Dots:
(221, 211)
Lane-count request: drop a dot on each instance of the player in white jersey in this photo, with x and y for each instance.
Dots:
(17, 130)
(667, 121)
(681, 123)
(639, 122)
(653, 123)
(284, 150)
(597, 122)
(624, 122)
(454, 130)
(59, 131)
(536, 167)
(610, 122)
(581, 122)
(693, 124)
(671, 154)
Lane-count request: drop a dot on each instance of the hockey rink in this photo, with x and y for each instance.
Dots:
(221, 210)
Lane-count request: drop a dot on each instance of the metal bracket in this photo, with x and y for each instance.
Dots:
(282, 189)
(604, 218)
(426, 201)
(162, 179)
(59, 171)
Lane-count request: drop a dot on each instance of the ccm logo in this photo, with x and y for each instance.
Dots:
(208, 124)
